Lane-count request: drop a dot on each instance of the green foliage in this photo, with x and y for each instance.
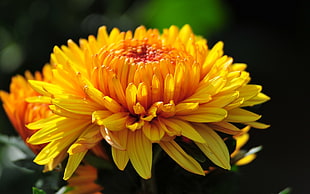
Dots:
(205, 16)
(37, 191)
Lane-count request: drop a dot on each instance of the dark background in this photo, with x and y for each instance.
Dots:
(270, 36)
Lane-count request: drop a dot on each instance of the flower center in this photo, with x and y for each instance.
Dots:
(141, 51)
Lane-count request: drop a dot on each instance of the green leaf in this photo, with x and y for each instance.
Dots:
(286, 191)
(37, 191)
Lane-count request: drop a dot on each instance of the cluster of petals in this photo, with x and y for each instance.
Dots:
(136, 89)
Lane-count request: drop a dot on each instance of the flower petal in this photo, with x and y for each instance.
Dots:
(114, 122)
(120, 158)
(184, 127)
(112, 138)
(239, 115)
(58, 130)
(46, 89)
(53, 149)
(257, 125)
(225, 127)
(153, 131)
(205, 115)
(77, 106)
(181, 157)
(214, 148)
(259, 99)
(139, 150)
(186, 108)
(88, 139)
(73, 162)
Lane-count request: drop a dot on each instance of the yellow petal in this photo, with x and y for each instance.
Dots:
(225, 127)
(112, 138)
(77, 106)
(39, 99)
(45, 122)
(241, 140)
(120, 158)
(114, 122)
(257, 125)
(55, 161)
(64, 113)
(131, 96)
(245, 160)
(185, 128)
(139, 150)
(44, 88)
(222, 100)
(88, 139)
(239, 115)
(205, 115)
(58, 130)
(214, 148)
(73, 162)
(181, 157)
(53, 149)
(186, 108)
(153, 131)
(260, 98)
(249, 91)
(99, 98)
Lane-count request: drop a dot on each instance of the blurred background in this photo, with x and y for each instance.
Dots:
(270, 36)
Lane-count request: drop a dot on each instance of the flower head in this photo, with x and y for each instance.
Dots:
(137, 89)
(21, 112)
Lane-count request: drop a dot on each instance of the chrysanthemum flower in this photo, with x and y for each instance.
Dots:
(143, 88)
(21, 112)
(83, 181)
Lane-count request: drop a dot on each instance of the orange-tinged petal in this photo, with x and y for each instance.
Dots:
(181, 157)
(139, 150)
(214, 148)
(168, 88)
(131, 96)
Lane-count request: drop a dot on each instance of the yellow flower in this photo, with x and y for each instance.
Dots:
(143, 88)
(83, 181)
(21, 112)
